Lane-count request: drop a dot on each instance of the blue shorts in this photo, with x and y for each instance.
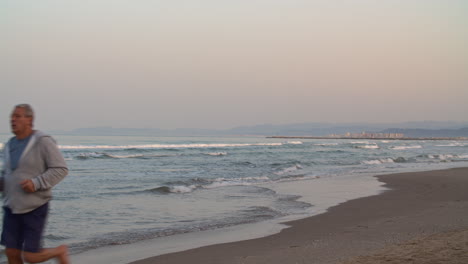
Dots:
(24, 231)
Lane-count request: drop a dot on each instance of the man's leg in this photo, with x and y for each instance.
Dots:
(33, 227)
(14, 256)
(60, 253)
(12, 236)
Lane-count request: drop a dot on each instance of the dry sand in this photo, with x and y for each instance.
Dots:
(423, 218)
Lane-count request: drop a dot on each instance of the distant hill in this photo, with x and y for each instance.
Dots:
(409, 129)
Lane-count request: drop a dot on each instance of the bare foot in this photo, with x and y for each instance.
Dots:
(63, 257)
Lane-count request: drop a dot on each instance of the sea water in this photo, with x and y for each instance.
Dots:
(123, 190)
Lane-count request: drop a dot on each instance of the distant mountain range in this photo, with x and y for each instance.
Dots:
(409, 129)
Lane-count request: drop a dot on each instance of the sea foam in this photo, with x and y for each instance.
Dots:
(406, 147)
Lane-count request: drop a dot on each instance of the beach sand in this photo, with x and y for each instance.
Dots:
(422, 218)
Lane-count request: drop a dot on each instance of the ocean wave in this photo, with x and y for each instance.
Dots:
(104, 155)
(447, 157)
(191, 185)
(442, 157)
(95, 155)
(198, 184)
(377, 161)
(125, 156)
(331, 151)
(372, 146)
(173, 189)
(300, 177)
(243, 163)
(326, 144)
(406, 147)
(294, 142)
(289, 170)
(385, 160)
(166, 146)
(216, 154)
(244, 181)
(360, 142)
(454, 144)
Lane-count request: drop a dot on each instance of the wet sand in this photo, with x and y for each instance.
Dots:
(422, 218)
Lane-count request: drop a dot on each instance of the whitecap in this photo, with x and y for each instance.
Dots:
(223, 182)
(326, 144)
(445, 156)
(182, 189)
(454, 144)
(406, 147)
(378, 161)
(295, 142)
(375, 146)
(219, 184)
(90, 155)
(360, 142)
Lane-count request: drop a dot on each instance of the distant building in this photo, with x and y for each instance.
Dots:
(371, 135)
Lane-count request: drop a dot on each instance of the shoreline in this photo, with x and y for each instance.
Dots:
(418, 205)
(320, 193)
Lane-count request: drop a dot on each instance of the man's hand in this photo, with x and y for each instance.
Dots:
(28, 186)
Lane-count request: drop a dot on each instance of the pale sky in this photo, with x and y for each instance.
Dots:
(222, 64)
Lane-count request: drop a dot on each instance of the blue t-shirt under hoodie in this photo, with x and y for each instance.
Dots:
(17, 147)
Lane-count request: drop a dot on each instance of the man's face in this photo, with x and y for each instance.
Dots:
(19, 121)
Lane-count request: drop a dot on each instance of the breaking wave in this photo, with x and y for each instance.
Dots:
(447, 157)
(454, 144)
(387, 160)
(373, 146)
(171, 146)
(295, 142)
(419, 159)
(289, 170)
(326, 144)
(103, 155)
(406, 147)
(191, 185)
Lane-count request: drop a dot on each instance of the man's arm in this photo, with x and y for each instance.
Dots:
(56, 166)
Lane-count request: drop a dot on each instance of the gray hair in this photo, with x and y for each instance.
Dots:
(29, 112)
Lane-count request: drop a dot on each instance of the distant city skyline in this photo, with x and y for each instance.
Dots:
(223, 64)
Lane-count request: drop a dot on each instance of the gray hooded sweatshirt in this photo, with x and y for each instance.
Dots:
(43, 163)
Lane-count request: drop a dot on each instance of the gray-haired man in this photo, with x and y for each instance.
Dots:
(32, 165)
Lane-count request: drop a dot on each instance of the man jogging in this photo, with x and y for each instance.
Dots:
(32, 165)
